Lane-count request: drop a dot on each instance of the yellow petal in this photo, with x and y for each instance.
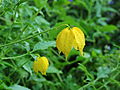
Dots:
(62, 42)
(35, 66)
(79, 41)
(68, 43)
(41, 64)
(69, 38)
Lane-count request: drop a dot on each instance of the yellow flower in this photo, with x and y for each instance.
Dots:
(70, 38)
(41, 64)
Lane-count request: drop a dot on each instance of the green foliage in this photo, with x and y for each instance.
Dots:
(44, 45)
(30, 27)
(18, 87)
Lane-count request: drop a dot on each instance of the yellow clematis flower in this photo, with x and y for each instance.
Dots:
(41, 64)
(70, 38)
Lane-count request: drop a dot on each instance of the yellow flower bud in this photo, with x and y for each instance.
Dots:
(70, 38)
(41, 64)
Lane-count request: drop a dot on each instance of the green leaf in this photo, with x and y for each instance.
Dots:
(108, 28)
(40, 3)
(106, 9)
(98, 9)
(52, 69)
(83, 4)
(44, 45)
(83, 68)
(3, 86)
(18, 87)
(103, 72)
(27, 67)
(41, 21)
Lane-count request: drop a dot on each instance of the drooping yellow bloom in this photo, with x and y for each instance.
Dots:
(41, 64)
(70, 38)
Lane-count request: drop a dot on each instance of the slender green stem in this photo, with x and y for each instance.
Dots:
(59, 77)
(100, 88)
(22, 30)
(57, 54)
(31, 36)
(17, 56)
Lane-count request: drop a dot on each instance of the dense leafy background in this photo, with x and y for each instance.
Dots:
(21, 24)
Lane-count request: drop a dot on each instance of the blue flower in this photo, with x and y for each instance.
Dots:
(111, 2)
(70, 0)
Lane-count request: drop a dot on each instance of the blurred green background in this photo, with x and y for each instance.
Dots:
(23, 35)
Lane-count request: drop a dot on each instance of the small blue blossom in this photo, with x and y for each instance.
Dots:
(111, 2)
(70, 0)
